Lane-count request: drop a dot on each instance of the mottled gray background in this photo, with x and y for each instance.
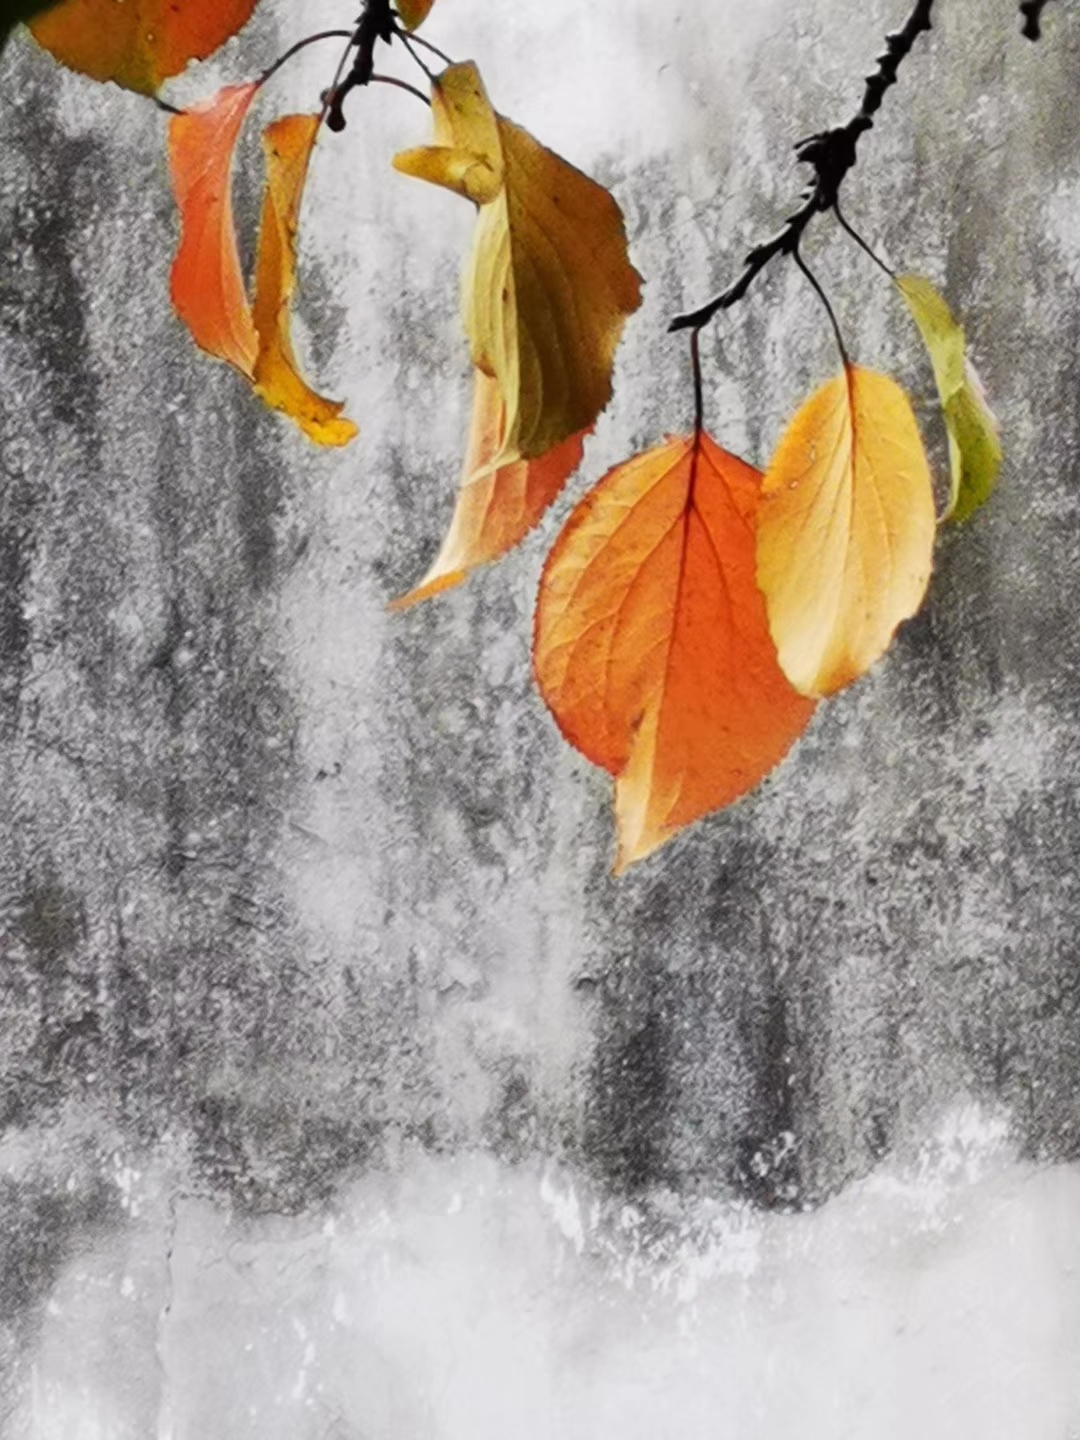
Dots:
(324, 1026)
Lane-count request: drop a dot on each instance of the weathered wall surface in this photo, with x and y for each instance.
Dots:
(297, 897)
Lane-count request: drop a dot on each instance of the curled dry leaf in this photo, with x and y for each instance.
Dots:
(499, 500)
(846, 532)
(287, 144)
(137, 43)
(652, 645)
(206, 283)
(974, 443)
(414, 12)
(546, 294)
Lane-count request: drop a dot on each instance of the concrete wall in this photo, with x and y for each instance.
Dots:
(325, 1028)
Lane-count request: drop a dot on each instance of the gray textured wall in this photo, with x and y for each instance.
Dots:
(296, 896)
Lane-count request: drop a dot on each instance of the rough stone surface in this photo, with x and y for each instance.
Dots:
(305, 906)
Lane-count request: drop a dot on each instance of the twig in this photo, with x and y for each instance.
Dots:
(832, 154)
(302, 45)
(376, 79)
(816, 283)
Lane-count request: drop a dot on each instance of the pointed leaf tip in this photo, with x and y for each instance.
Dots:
(846, 534)
(287, 146)
(652, 647)
(501, 496)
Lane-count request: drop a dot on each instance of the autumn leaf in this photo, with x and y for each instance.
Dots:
(549, 286)
(206, 283)
(138, 43)
(499, 500)
(974, 444)
(14, 11)
(414, 12)
(652, 645)
(287, 145)
(846, 531)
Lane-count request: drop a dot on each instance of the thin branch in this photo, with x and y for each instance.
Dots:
(407, 40)
(699, 398)
(844, 225)
(375, 79)
(1031, 17)
(302, 45)
(420, 40)
(816, 283)
(832, 154)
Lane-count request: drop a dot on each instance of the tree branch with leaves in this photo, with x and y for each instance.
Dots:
(694, 609)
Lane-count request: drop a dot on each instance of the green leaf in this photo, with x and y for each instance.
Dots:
(974, 444)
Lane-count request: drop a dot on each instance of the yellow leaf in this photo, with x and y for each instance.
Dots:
(287, 144)
(846, 532)
(549, 286)
(974, 444)
(500, 498)
(414, 12)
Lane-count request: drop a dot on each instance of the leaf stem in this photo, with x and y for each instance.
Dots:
(863, 244)
(420, 40)
(695, 362)
(406, 39)
(400, 85)
(302, 45)
(801, 263)
(832, 153)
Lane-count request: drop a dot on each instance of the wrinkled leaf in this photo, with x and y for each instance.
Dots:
(974, 444)
(846, 532)
(414, 12)
(287, 145)
(549, 285)
(138, 43)
(500, 499)
(652, 644)
(206, 283)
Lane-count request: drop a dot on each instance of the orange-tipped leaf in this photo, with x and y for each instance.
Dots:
(500, 499)
(652, 645)
(287, 145)
(206, 284)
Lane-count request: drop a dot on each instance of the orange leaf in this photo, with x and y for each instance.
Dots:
(206, 284)
(287, 144)
(846, 534)
(137, 43)
(499, 501)
(652, 645)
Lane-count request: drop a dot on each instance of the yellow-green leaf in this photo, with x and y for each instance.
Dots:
(414, 12)
(549, 285)
(974, 444)
(846, 530)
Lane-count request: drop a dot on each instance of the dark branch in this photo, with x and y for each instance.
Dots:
(1031, 15)
(832, 154)
(375, 24)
